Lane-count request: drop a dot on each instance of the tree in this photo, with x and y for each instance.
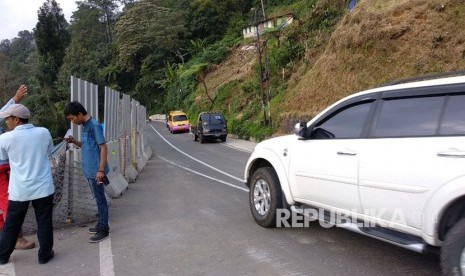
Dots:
(5, 46)
(146, 28)
(6, 78)
(19, 55)
(210, 18)
(149, 35)
(108, 13)
(52, 38)
(18, 63)
(87, 53)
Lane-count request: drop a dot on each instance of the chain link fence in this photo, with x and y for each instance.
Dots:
(73, 203)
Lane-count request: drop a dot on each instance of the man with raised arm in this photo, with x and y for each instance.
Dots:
(21, 243)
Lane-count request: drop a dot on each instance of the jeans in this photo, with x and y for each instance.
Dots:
(43, 209)
(98, 190)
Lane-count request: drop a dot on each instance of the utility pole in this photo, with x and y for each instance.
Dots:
(259, 50)
(263, 11)
(266, 77)
(267, 82)
(263, 64)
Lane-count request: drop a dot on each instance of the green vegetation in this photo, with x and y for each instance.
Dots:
(240, 99)
(161, 52)
(190, 55)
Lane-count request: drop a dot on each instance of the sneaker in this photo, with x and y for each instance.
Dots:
(23, 244)
(93, 230)
(99, 236)
(46, 260)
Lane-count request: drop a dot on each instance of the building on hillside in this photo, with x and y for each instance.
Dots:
(270, 24)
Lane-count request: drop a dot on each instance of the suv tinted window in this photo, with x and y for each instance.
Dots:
(409, 117)
(346, 123)
(453, 122)
(214, 119)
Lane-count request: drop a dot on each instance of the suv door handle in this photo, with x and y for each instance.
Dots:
(347, 152)
(454, 153)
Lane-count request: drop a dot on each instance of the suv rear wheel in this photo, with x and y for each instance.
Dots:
(453, 250)
(265, 196)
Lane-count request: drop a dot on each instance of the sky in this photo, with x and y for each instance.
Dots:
(19, 15)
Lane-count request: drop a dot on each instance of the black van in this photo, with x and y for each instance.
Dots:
(210, 125)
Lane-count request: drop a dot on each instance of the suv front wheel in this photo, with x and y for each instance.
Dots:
(265, 196)
(453, 250)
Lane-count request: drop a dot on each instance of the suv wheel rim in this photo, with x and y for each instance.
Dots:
(261, 197)
(462, 262)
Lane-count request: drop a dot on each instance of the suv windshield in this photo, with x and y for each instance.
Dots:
(214, 119)
(178, 118)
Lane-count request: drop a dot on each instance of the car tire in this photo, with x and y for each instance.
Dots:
(202, 138)
(265, 196)
(223, 138)
(453, 250)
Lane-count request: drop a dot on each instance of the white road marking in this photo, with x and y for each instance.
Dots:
(197, 160)
(201, 174)
(106, 261)
(106, 258)
(8, 269)
(107, 267)
(236, 148)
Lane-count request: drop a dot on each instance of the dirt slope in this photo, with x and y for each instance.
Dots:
(237, 66)
(380, 41)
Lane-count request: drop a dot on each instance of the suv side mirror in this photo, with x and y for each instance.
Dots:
(300, 129)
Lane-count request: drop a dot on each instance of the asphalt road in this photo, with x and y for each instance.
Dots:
(188, 214)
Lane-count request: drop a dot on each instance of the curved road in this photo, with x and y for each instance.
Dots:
(188, 214)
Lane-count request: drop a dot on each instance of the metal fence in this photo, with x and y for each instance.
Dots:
(123, 122)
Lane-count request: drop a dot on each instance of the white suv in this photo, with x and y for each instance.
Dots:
(390, 161)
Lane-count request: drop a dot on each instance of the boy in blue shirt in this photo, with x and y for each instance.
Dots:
(94, 162)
